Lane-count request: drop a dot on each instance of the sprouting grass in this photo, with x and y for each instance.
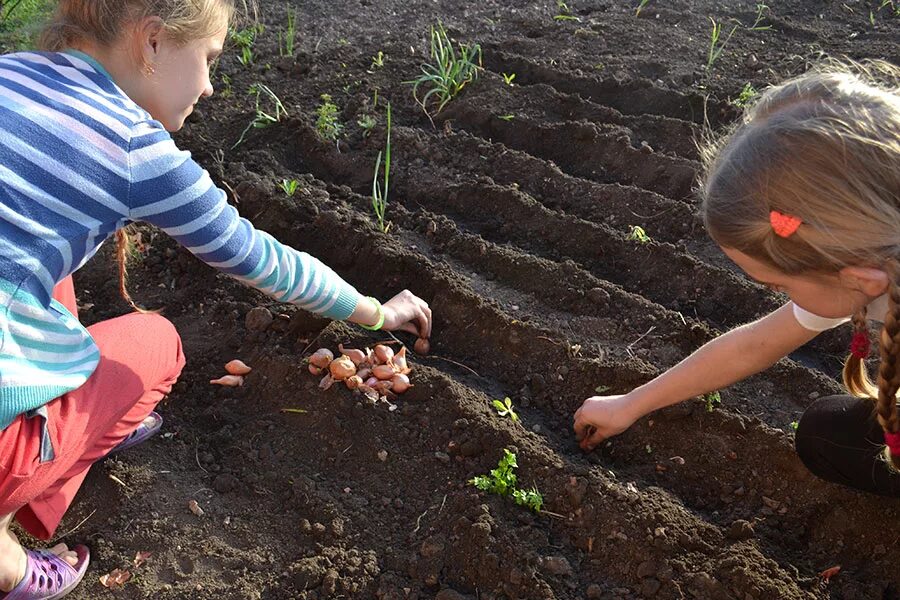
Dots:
(636, 233)
(367, 124)
(506, 118)
(564, 13)
(449, 72)
(502, 481)
(289, 186)
(640, 7)
(327, 123)
(287, 37)
(379, 192)
(748, 93)
(712, 400)
(261, 118)
(508, 78)
(244, 40)
(21, 21)
(377, 61)
(717, 41)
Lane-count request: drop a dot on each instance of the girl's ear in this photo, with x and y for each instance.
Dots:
(869, 280)
(149, 35)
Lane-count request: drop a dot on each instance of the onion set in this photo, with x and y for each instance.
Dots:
(377, 373)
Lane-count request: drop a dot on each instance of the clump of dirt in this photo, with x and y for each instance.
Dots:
(510, 215)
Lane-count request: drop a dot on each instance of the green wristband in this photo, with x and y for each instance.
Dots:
(380, 310)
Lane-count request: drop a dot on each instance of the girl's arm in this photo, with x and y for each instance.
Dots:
(717, 364)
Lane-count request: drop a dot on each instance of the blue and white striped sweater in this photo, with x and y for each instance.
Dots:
(78, 160)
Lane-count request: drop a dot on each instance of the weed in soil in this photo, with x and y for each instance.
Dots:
(502, 481)
(449, 72)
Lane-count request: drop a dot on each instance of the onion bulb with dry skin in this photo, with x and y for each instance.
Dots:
(353, 382)
(383, 372)
(237, 367)
(357, 356)
(400, 361)
(383, 354)
(422, 346)
(401, 383)
(342, 368)
(371, 381)
(228, 380)
(364, 373)
(315, 370)
(321, 358)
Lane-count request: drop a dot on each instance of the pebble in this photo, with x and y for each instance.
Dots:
(442, 456)
(740, 530)
(556, 565)
(598, 295)
(382, 455)
(258, 319)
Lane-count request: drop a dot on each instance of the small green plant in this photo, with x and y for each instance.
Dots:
(748, 93)
(636, 233)
(261, 118)
(289, 186)
(712, 400)
(502, 481)
(379, 192)
(717, 42)
(327, 123)
(226, 92)
(640, 7)
(287, 37)
(377, 61)
(244, 40)
(450, 71)
(564, 13)
(508, 78)
(794, 425)
(367, 124)
(505, 407)
(506, 118)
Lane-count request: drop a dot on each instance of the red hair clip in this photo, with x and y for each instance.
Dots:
(860, 346)
(784, 225)
(892, 441)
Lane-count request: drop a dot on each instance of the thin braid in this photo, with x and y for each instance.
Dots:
(123, 246)
(889, 373)
(855, 374)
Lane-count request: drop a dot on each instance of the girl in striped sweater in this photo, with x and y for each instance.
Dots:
(85, 149)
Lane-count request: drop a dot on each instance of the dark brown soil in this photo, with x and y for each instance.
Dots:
(516, 232)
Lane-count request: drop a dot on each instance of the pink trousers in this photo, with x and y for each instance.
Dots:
(140, 360)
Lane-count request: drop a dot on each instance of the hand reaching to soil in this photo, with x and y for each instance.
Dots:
(602, 417)
(407, 312)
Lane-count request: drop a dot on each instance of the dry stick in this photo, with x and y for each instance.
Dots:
(553, 514)
(71, 531)
(458, 364)
(646, 333)
(197, 458)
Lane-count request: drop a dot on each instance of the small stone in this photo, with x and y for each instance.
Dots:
(813, 395)
(382, 455)
(258, 319)
(318, 528)
(594, 592)
(442, 456)
(598, 295)
(305, 525)
(740, 530)
(556, 565)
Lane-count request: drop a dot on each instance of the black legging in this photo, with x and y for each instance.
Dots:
(839, 439)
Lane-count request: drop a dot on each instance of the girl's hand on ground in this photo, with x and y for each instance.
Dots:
(407, 312)
(602, 417)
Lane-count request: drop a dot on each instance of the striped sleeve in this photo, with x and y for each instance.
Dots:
(171, 191)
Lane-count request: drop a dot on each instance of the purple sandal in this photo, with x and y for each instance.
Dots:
(147, 429)
(48, 577)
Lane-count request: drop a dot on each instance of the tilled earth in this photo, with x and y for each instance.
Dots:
(510, 214)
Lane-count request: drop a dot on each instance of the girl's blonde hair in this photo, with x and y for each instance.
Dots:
(824, 147)
(102, 22)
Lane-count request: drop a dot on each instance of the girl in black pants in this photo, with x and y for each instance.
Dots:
(803, 194)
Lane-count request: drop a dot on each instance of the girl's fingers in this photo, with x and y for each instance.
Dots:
(409, 327)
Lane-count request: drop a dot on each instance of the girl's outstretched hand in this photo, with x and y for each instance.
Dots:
(602, 417)
(407, 312)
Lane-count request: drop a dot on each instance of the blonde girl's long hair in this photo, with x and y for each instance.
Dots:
(102, 22)
(824, 147)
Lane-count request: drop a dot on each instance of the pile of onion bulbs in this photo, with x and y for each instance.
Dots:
(375, 373)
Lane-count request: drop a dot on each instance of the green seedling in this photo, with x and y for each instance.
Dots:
(377, 61)
(717, 42)
(327, 123)
(794, 425)
(640, 7)
(564, 13)
(712, 400)
(226, 92)
(508, 78)
(502, 481)
(379, 192)
(602, 389)
(261, 118)
(449, 72)
(287, 37)
(289, 186)
(748, 93)
(636, 233)
(505, 407)
(506, 118)
(244, 40)
(367, 124)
